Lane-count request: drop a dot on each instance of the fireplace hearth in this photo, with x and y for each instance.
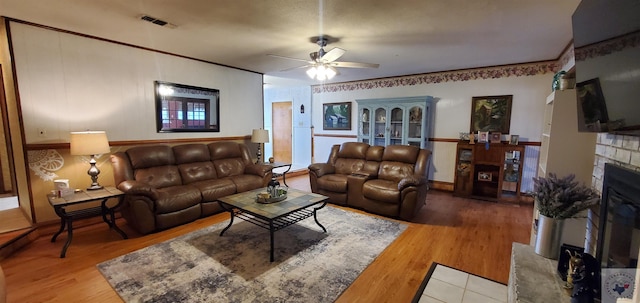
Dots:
(619, 231)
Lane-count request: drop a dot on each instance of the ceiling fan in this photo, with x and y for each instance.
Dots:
(323, 64)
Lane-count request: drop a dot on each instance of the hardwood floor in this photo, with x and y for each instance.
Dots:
(470, 235)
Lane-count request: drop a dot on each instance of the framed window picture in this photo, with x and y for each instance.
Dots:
(337, 116)
(491, 114)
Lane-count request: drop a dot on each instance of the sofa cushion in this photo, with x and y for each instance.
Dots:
(246, 182)
(381, 190)
(159, 176)
(197, 171)
(228, 167)
(150, 156)
(401, 153)
(334, 183)
(395, 171)
(215, 188)
(176, 198)
(190, 153)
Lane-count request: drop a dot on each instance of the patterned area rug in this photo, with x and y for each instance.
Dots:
(309, 266)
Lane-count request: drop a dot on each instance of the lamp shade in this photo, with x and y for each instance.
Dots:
(89, 143)
(260, 136)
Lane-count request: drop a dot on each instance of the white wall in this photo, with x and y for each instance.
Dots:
(301, 141)
(452, 111)
(71, 83)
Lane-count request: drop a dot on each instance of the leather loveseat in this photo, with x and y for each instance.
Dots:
(389, 181)
(166, 186)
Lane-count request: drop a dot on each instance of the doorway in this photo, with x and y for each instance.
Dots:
(281, 119)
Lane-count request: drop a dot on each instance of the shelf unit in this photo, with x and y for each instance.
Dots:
(564, 150)
(395, 121)
(490, 174)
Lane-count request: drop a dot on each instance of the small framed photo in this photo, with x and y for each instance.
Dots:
(483, 137)
(485, 176)
(495, 137)
(514, 139)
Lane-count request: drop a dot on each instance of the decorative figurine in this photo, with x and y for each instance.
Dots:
(583, 277)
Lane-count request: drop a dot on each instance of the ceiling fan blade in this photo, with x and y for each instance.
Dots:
(354, 64)
(289, 58)
(297, 67)
(333, 55)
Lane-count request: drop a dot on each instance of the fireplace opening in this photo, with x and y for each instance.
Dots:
(619, 231)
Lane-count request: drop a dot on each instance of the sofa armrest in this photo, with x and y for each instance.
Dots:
(260, 170)
(321, 169)
(414, 180)
(131, 187)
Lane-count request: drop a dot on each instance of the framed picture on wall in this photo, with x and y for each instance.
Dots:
(337, 116)
(491, 114)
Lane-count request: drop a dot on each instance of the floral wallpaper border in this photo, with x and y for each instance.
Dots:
(608, 47)
(517, 70)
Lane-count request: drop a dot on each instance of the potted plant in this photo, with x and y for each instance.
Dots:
(558, 199)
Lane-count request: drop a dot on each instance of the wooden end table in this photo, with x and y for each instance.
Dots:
(282, 174)
(85, 196)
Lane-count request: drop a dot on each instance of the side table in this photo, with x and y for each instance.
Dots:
(281, 174)
(85, 196)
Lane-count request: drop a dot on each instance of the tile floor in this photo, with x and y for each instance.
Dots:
(450, 285)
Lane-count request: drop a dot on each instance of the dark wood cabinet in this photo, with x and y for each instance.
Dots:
(488, 171)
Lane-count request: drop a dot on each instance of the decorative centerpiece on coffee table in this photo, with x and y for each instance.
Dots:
(274, 193)
(558, 199)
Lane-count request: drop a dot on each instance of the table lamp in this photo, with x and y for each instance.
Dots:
(90, 143)
(259, 136)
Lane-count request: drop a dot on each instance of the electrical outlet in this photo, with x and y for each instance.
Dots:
(42, 132)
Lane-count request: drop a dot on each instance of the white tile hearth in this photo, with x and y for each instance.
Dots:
(448, 285)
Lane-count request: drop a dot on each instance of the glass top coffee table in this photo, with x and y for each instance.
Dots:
(298, 206)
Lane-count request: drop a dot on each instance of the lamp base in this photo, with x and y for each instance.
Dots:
(95, 187)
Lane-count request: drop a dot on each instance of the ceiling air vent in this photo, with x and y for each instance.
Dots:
(157, 21)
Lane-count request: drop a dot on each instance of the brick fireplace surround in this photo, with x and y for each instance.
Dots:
(615, 149)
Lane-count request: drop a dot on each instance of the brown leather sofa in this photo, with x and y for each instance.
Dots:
(166, 186)
(389, 181)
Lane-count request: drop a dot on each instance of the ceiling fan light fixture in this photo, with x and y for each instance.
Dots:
(311, 72)
(321, 72)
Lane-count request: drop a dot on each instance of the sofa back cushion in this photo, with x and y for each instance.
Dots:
(194, 162)
(229, 158)
(351, 157)
(159, 176)
(190, 153)
(150, 156)
(398, 161)
(154, 165)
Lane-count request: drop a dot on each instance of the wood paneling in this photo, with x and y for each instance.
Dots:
(471, 235)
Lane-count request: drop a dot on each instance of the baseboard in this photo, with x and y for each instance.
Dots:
(440, 185)
(21, 239)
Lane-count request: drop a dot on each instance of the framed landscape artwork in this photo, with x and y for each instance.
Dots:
(337, 116)
(491, 114)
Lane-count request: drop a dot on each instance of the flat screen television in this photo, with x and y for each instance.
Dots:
(606, 39)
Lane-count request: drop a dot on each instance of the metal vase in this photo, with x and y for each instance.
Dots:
(548, 237)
